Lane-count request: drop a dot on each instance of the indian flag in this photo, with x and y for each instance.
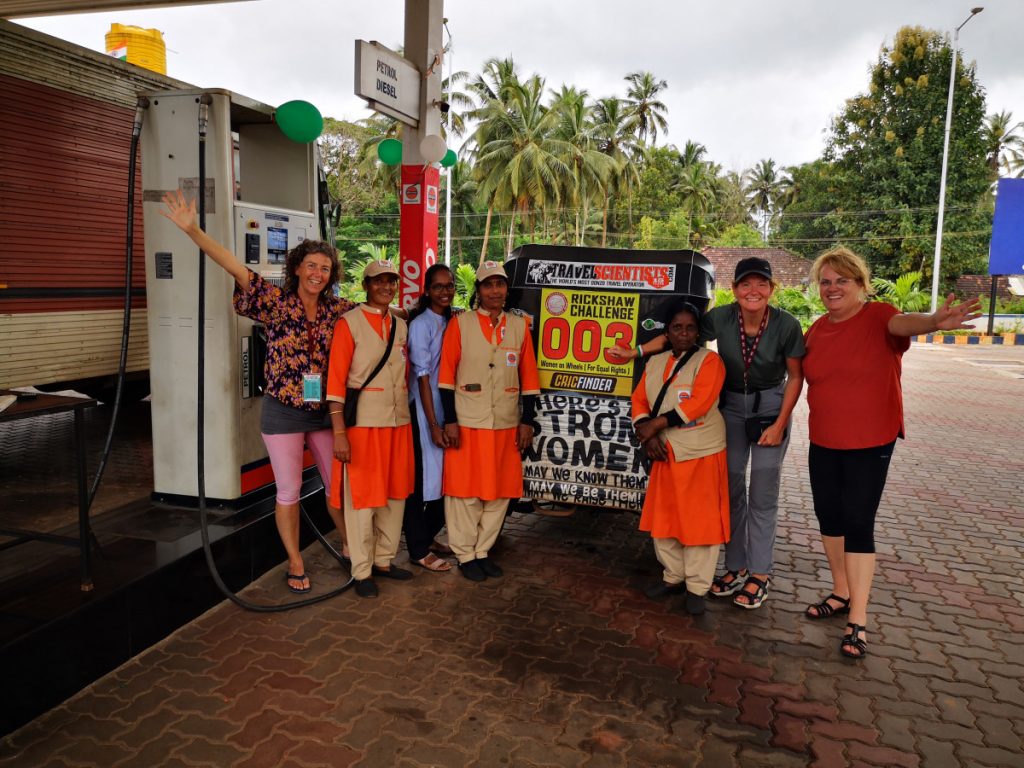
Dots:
(120, 52)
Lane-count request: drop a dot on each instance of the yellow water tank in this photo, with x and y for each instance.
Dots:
(138, 46)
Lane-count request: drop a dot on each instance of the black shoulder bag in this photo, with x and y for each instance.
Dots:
(352, 393)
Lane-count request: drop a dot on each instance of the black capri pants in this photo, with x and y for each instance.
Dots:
(847, 487)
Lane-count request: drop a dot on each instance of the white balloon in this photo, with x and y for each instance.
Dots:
(433, 148)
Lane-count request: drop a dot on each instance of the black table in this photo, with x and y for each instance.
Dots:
(41, 405)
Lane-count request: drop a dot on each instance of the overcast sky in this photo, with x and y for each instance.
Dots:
(748, 79)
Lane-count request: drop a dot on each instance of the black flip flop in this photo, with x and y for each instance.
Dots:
(297, 590)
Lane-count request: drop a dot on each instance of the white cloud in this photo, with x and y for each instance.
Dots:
(750, 80)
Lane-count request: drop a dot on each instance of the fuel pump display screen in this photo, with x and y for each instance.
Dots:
(277, 244)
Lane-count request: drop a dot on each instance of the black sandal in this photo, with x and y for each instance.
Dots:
(825, 609)
(751, 600)
(853, 642)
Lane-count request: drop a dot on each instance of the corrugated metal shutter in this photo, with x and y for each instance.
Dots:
(63, 197)
(65, 131)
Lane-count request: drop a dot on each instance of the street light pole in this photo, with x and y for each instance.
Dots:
(945, 163)
(449, 169)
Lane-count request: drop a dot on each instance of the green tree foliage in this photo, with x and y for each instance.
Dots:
(666, 234)
(562, 167)
(803, 303)
(808, 223)
(739, 236)
(341, 150)
(904, 292)
(886, 146)
(656, 195)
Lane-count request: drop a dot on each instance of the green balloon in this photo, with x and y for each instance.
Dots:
(449, 159)
(300, 121)
(390, 151)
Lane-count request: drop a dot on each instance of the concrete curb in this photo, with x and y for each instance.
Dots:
(1004, 339)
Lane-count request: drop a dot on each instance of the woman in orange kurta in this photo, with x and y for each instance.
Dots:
(376, 452)
(487, 362)
(686, 509)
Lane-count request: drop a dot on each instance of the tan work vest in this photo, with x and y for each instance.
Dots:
(487, 379)
(385, 402)
(701, 437)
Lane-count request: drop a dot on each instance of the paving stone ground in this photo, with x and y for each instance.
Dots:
(563, 662)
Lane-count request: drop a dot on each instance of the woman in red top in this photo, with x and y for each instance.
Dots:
(852, 369)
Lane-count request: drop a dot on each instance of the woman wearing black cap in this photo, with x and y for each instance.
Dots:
(761, 347)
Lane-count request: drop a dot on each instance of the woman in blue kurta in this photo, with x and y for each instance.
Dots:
(424, 509)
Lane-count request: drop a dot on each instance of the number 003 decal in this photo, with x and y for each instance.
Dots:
(577, 328)
(584, 338)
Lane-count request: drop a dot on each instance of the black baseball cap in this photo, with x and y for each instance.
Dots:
(753, 266)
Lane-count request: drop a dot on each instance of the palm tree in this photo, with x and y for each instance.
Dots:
(380, 127)
(696, 186)
(465, 281)
(615, 137)
(453, 122)
(518, 161)
(730, 199)
(589, 166)
(904, 293)
(646, 110)
(492, 92)
(1004, 145)
(765, 186)
(464, 194)
(693, 153)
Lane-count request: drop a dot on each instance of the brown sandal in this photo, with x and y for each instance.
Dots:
(433, 563)
(825, 609)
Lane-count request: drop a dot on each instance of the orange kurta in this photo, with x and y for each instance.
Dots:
(487, 464)
(382, 465)
(688, 500)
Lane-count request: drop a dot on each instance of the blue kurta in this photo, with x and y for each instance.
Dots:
(425, 334)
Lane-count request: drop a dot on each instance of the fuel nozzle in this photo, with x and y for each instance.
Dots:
(141, 105)
(205, 100)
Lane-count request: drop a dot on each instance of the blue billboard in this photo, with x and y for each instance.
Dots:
(1006, 252)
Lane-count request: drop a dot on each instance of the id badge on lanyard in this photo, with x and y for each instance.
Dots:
(312, 383)
(312, 387)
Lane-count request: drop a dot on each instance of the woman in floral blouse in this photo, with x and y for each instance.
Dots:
(299, 320)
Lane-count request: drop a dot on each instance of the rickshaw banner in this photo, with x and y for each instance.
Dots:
(577, 328)
(581, 274)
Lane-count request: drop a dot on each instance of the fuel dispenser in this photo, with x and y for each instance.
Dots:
(261, 195)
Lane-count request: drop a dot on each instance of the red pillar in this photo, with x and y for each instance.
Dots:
(417, 239)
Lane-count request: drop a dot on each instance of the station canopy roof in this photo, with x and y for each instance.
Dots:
(12, 9)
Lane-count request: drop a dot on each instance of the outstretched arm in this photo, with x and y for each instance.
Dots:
(650, 347)
(948, 317)
(184, 217)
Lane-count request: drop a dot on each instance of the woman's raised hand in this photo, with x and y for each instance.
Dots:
(182, 213)
(621, 353)
(950, 316)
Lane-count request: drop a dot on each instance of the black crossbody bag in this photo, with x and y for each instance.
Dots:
(664, 387)
(352, 393)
